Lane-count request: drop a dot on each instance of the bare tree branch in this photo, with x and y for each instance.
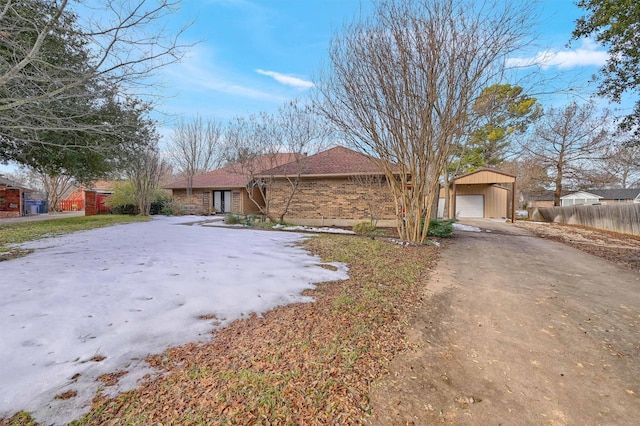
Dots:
(567, 141)
(402, 83)
(196, 147)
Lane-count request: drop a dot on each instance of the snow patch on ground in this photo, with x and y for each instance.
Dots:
(96, 302)
(325, 229)
(468, 228)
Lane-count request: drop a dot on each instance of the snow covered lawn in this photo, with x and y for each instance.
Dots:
(98, 302)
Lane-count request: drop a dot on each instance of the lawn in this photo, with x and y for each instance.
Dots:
(297, 363)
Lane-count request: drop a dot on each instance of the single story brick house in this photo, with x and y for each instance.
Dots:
(225, 190)
(337, 187)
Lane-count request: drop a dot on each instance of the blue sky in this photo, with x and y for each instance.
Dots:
(254, 55)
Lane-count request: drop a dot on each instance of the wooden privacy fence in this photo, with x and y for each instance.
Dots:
(71, 205)
(623, 218)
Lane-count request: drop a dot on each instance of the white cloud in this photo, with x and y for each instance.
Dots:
(287, 79)
(584, 56)
(200, 71)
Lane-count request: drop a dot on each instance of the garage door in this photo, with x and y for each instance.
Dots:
(470, 205)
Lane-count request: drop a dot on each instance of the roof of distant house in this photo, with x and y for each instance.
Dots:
(616, 194)
(605, 194)
(235, 175)
(338, 161)
(8, 183)
(102, 185)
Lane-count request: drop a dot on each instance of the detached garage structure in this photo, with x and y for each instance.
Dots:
(485, 193)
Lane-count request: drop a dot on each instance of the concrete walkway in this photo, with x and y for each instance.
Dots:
(45, 216)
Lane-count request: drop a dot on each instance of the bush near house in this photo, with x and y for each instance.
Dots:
(366, 228)
(122, 200)
(441, 228)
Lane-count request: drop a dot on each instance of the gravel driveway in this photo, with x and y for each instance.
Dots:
(521, 330)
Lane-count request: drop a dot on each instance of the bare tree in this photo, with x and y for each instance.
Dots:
(622, 162)
(56, 186)
(402, 83)
(531, 175)
(62, 63)
(255, 145)
(196, 147)
(568, 141)
(302, 133)
(145, 174)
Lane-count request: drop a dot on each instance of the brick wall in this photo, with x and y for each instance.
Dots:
(196, 196)
(240, 202)
(91, 203)
(11, 207)
(338, 201)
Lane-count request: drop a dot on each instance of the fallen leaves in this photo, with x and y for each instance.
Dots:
(308, 363)
(622, 249)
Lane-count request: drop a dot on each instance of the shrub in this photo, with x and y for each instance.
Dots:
(234, 219)
(172, 208)
(366, 228)
(130, 209)
(123, 199)
(441, 228)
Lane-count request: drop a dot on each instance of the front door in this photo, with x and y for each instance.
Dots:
(222, 201)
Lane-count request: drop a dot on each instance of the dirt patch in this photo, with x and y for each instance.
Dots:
(517, 329)
(621, 249)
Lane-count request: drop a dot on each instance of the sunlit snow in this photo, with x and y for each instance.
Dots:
(100, 301)
(467, 228)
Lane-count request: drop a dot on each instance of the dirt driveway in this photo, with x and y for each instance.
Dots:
(519, 330)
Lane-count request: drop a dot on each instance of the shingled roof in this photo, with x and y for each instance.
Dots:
(338, 161)
(232, 176)
(617, 194)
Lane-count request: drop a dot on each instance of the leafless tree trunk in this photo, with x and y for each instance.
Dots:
(252, 145)
(261, 143)
(196, 147)
(568, 141)
(532, 177)
(145, 171)
(402, 83)
(55, 185)
(303, 134)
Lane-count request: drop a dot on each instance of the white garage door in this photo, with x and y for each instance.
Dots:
(470, 206)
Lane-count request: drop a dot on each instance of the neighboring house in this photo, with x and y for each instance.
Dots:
(337, 187)
(484, 193)
(225, 190)
(537, 199)
(579, 198)
(75, 198)
(601, 196)
(13, 199)
(613, 196)
(587, 197)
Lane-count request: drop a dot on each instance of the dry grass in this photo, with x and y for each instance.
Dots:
(622, 249)
(307, 363)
